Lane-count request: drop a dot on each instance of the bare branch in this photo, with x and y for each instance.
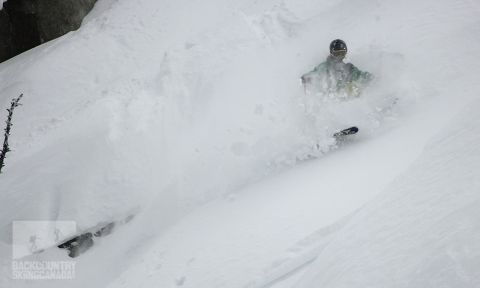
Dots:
(3, 153)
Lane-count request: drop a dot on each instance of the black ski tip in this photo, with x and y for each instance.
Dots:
(349, 131)
(353, 129)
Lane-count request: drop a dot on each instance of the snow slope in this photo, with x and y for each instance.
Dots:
(154, 110)
(173, 100)
(423, 231)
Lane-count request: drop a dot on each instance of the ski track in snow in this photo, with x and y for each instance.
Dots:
(199, 105)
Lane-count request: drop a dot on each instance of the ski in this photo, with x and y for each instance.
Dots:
(349, 131)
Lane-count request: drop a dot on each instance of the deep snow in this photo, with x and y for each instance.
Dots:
(174, 110)
(423, 230)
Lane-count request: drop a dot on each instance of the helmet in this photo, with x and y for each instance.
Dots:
(338, 48)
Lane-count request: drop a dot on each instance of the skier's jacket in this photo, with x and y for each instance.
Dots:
(335, 76)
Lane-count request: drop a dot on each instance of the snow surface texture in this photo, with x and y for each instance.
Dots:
(424, 230)
(153, 109)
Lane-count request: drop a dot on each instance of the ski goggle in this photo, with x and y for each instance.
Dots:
(339, 53)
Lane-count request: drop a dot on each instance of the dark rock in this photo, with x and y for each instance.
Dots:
(25, 24)
(7, 49)
(65, 17)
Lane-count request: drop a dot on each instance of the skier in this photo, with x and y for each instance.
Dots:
(336, 77)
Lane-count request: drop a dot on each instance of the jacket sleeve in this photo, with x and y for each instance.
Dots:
(358, 75)
(318, 70)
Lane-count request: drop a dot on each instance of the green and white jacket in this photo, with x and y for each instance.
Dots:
(336, 76)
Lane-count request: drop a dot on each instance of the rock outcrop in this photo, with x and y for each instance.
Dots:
(25, 24)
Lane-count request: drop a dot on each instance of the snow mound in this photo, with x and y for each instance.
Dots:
(423, 231)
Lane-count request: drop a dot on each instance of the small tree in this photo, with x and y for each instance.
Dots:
(6, 148)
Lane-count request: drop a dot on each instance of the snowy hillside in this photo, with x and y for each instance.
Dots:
(423, 231)
(190, 116)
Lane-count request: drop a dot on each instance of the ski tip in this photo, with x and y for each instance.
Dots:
(349, 131)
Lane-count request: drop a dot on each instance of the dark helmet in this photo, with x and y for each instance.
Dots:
(338, 48)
